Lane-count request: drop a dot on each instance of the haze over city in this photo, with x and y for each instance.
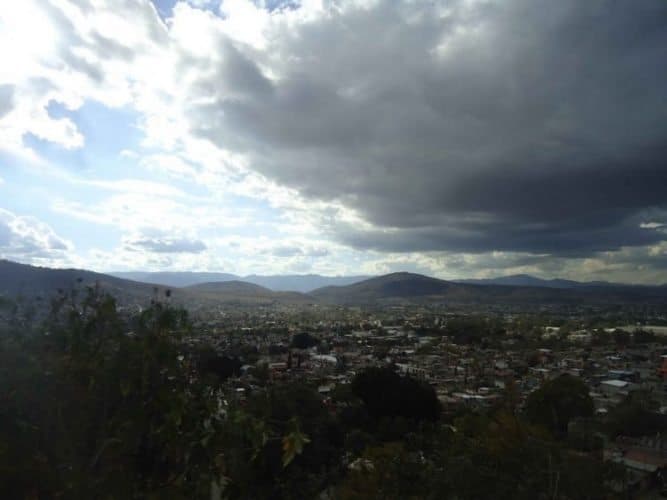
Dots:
(457, 139)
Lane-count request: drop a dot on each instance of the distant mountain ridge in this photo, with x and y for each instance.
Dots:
(418, 288)
(303, 283)
(175, 279)
(401, 284)
(411, 287)
(235, 286)
(43, 282)
(528, 280)
(244, 292)
(402, 287)
(31, 282)
(306, 283)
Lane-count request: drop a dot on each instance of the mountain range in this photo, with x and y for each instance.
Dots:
(32, 282)
(418, 288)
(21, 280)
(280, 283)
(527, 280)
(29, 281)
(306, 283)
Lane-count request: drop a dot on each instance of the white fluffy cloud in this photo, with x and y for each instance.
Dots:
(28, 239)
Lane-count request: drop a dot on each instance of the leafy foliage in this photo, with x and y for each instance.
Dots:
(283, 444)
(557, 402)
(387, 394)
(102, 403)
(636, 415)
(304, 340)
(212, 364)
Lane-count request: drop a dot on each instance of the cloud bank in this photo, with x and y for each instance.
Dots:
(28, 238)
(459, 129)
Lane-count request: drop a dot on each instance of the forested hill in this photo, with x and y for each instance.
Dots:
(32, 282)
(29, 282)
(418, 288)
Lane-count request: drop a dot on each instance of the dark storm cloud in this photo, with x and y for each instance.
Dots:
(533, 126)
(502, 236)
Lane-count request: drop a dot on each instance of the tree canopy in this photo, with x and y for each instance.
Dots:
(557, 402)
(304, 340)
(387, 394)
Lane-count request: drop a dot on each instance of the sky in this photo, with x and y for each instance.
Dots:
(456, 138)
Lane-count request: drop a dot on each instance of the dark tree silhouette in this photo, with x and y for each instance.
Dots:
(304, 340)
(387, 394)
(557, 402)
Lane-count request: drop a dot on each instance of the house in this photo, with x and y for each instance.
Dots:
(614, 387)
(645, 463)
(414, 371)
(662, 370)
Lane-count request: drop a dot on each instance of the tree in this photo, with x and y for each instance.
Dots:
(643, 337)
(387, 394)
(500, 456)
(304, 340)
(296, 449)
(622, 338)
(209, 362)
(557, 402)
(386, 472)
(636, 415)
(105, 406)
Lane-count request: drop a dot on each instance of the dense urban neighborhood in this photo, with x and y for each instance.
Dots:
(474, 361)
